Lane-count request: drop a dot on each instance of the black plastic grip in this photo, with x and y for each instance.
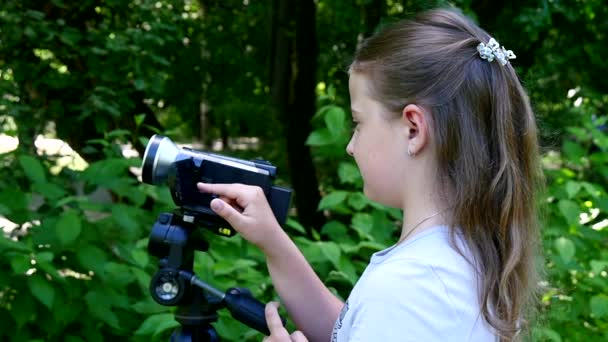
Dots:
(246, 309)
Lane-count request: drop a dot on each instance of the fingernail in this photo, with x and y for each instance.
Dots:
(216, 205)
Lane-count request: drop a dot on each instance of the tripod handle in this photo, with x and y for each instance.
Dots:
(245, 308)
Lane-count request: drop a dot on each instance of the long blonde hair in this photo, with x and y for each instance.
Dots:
(487, 147)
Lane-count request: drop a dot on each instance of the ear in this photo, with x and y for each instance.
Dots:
(417, 124)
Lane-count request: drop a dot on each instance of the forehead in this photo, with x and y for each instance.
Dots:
(361, 101)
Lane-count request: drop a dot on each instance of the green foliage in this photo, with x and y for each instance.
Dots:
(574, 303)
(78, 261)
(100, 75)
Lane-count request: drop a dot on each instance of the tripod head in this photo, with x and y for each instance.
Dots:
(174, 284)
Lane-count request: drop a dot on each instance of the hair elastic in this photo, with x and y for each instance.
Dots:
(493, 50)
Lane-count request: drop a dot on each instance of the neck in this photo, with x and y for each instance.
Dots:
(423, 212)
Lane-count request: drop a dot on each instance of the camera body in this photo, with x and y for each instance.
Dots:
(182, 168)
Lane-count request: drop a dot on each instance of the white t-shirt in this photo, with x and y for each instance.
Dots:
(420, 290)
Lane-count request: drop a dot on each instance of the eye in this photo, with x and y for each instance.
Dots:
(354, 127)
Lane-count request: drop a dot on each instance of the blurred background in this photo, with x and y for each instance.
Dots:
(84, 84)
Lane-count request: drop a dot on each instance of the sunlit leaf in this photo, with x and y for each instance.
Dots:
(565, 248)
(572, 188)
(321, 137)
(332, 199)
(334, 120)
(570, 210)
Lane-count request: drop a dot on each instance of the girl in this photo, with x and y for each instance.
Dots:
(444, 131)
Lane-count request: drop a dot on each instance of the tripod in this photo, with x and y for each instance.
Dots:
(175, 284)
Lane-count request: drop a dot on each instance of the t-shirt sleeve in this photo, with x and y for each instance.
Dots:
(405, 300)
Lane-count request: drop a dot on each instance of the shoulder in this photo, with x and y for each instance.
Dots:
(407, 294)
(409, 281)
(430, 267)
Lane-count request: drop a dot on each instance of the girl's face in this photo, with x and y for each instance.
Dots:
(378, 145)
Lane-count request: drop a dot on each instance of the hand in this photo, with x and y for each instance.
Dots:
(246, 209)
(278, 333)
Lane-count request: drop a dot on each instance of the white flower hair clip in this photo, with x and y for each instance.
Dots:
(493, 50)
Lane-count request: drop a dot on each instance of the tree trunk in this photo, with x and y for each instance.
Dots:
(371, 15)
(293, 69)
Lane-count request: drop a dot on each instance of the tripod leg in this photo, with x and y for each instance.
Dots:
(195, 334)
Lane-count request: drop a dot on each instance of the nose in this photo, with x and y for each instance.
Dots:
(349, 148)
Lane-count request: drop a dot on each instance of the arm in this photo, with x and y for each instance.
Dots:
(311, 305)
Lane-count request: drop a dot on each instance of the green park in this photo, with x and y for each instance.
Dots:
(85, 85)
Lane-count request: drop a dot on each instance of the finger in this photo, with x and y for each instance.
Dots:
(240, 193)
(232, 203)
(226, 190)
(227, 212)
(298, 336)
(274, 321)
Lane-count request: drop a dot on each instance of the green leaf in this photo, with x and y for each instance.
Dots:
(42, 290)
(320, 137)
(156, 324)
(572, 188)
(33, 169)
(543, 334)
(123, 215)
(348, 268)
(49, 190)
(99, 306)
(598, 266)
(574, 151)
(570, 210)
(332, 200)
(7, 244)
(68, 310)
(224, 267)
(35, 14)
(336, 230)
(565, 248)
(591, 189)
(349, 173)
(70, 36)
(331, 251)
(599, 306)
(148, 307)
(363, 223)
(92, 258)
(23, 309)
(334, 120)
(357, 200)
(295, 225)
(141, 257)
(143, 278)
(20, 263)
(118, 274)
(44, 257)
(139, 119)
(118, 133)
(68, 227)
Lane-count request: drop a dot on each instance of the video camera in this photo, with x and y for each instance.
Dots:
(182, 168)
(174, 241)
